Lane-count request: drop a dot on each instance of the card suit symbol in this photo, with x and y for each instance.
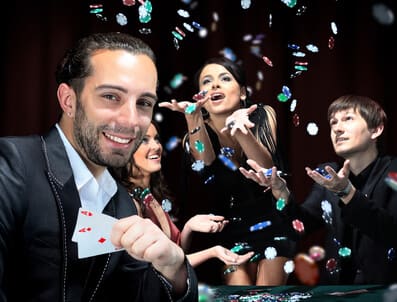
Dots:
(83, 230)
(86, 213)
(101, 240)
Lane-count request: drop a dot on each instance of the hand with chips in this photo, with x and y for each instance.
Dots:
(239, 120)
(205, 223)
(188, 108)
(337, 182)
(275, 182)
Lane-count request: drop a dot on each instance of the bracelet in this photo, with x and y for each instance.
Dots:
(345, 191)
(144, 193)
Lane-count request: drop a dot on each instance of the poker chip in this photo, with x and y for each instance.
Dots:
(298, 226)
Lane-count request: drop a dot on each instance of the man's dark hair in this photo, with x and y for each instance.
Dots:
(75, 66)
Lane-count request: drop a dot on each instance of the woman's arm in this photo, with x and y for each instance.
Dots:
(223, 254)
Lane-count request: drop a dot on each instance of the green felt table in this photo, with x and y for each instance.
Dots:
(359, 293)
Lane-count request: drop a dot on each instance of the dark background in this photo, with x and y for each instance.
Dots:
(363, 61)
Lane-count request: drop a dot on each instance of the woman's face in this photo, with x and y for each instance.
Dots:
(224, 91)
(148, 155)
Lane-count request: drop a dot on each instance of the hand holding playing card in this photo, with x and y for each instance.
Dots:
(92, 234)
(143, 240)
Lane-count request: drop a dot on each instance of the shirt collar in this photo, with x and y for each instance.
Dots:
(100, 190)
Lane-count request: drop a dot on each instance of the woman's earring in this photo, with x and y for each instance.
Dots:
(243, 103)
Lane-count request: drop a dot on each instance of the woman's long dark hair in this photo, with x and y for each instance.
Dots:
(157, 186)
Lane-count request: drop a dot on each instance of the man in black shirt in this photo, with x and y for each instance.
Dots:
(352, 201)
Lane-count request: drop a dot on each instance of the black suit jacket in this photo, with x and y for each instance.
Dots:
(39, 203)
(370, 218)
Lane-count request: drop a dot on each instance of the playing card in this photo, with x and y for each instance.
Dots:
(79, 228)
(92, 234)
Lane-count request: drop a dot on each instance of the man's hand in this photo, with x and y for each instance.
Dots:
(143, 240)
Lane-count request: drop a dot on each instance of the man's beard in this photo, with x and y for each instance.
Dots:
(87, 136)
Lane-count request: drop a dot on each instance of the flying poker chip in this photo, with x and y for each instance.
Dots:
(296, 120)
(256, 50)
(282, 97)
(158, 117)
(391, 254)
(188, 27)
(280, 204)
(391, 180)
(129, 2)
(270, 253)
(289, 266)
(121, 19)
(259, 75)
(326, 206)
(203, 32)
(177, 35)
(300, 67)
(227, 162)
(312, 48)
(293, 46)
(327, 211)
(144, 11)
(96, 9)
(331, 42)
(299, 54)
(172, 143)
(285, 94)
(312, 128)
(183, 13)
(286, 91)
(245, 4)
(344, 252)
(260, 225)
(176, 43)
(166, 205)
(177, 80)
(289, 3)
(228, 53)
(334, 28)
(298, 226)
(267, 61)
(292, 106)
(317, 253)
(332, 266)
(306, 269)
(382, 14)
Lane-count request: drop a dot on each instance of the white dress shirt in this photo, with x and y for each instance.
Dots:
(94, 193)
